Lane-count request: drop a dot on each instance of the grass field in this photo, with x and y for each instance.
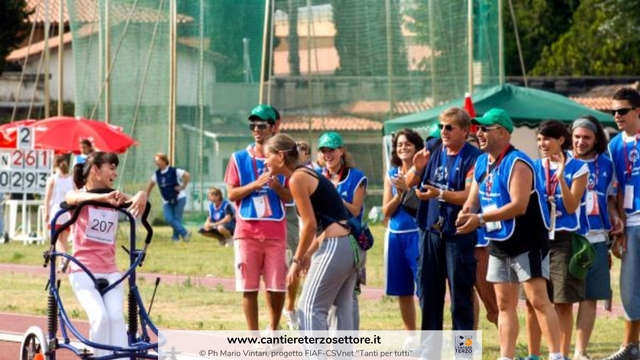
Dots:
(190, 305)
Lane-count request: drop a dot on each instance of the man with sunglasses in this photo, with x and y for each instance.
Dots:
(508, 205)
(625, 154)
(260, 234)
(444, 170)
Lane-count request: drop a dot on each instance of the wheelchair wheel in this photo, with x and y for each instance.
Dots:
(34, 345)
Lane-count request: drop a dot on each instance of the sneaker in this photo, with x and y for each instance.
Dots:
(581, 355)
(410, 343)
(629, 352)
(292, 319)
(186, 237)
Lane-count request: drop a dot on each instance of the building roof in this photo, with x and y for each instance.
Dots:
(87, 12)
(332, 122)
(599, 97)
(596, 103)
(382, 107)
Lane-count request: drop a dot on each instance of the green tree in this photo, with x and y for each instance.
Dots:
(540, 23)
(604, 40)
(14, 28)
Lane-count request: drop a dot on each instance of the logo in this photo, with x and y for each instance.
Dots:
(441, 174)
(463, 345)
(633, 156)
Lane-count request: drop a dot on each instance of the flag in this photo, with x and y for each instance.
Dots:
(468, 106)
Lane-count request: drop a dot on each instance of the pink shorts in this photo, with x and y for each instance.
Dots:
(254, 258)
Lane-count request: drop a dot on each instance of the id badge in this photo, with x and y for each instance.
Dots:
(628, 196)
(102, 225)
(592, 203)
(261, 204)
(553, 214)
(493, 225)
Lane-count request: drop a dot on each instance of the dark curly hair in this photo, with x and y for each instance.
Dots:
(412, 136)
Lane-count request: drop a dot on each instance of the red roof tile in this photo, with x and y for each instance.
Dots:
(382, 107)
(596, 103)
(324, 123)
(87, 11)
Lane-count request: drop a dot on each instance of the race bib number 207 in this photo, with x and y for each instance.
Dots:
(102, 225)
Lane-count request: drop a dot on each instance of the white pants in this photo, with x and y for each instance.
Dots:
(106, 314)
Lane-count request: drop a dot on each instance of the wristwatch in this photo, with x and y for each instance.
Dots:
(441, 195)
(481, 218)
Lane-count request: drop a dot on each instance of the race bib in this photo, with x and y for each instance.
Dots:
(592, 203)
(261, 204)
(102, 225)
(493, 225)
(628, 196)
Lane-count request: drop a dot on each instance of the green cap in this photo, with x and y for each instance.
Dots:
(263, 112)
(583, 256)
(495, 116)
(331, 140)
(434, 131)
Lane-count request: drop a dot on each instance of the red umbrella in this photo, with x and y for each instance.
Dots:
(468, 106)
(63, 133)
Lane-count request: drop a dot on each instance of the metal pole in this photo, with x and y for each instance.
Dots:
(47, 27)
(271, 35)
(500, 44)
(60, 58)
(172, 80)
(389, 59)
(263, 61)
(470, 43)
(201, 108)
(107, 64)
(432, 30)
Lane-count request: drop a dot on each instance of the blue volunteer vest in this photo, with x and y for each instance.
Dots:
(400, 221)
(447, 173)
(219, 213)
(249, 169)
(167, 183)
(618, 148)
(600, 178)
(564, 221)
(347, 187)
(494, 190)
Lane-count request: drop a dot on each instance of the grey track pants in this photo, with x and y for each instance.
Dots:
(330, 281)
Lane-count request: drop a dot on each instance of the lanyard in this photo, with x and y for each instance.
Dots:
(628, 164)
(488, 179)
(443, 163)
(252, 152)
(592, 184)
(328, 175)
(551, 182)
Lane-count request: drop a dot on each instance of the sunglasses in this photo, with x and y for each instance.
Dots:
(447, 127)
(258, 126)
(622, 112)
(485, 129)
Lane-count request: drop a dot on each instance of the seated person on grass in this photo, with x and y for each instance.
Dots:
(221, 220)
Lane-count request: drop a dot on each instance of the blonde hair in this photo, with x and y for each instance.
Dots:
(214, 191)
(460, 116)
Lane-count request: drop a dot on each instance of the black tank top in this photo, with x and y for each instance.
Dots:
(326, 202)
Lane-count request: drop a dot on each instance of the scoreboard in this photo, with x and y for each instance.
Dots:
(25, 169)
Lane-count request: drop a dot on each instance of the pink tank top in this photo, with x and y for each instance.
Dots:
(94, 239)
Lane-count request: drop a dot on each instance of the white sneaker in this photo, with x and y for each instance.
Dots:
(410, 343)
(292, 319)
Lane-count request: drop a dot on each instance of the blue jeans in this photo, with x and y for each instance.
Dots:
(173, 217)
(442, 259)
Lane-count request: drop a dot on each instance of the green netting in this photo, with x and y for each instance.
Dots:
(325, 60)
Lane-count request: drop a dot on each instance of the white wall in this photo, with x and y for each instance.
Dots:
(68, 73)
